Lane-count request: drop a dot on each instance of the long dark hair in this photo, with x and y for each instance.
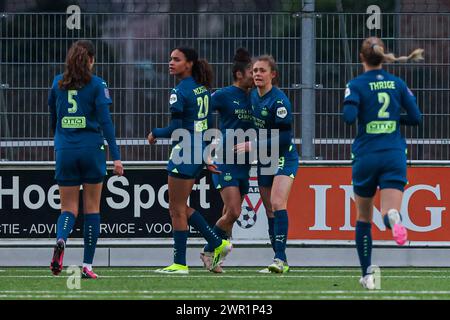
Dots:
(77, 73)
(201, 70)
(241, 62)
(373, 52)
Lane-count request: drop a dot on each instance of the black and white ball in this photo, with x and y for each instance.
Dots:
(247, 219)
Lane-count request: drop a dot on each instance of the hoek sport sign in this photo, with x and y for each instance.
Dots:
(321, 206)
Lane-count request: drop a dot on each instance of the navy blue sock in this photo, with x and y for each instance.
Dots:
(221, 233)
(280, 231)
(91, 233)
(64, 225)
(198, 222)
(386, 221)
(363, 237)
(271, 222)
(179, 248)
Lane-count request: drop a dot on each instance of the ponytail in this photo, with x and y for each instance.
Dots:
(416, 55)
(202, 73)
(201, 69)
(241, 61)
(373, 52)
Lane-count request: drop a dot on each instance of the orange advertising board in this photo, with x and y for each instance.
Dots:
(321, 205)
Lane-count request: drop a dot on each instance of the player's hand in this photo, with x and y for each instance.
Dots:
(213, 168)
(118, 168)
(243, 147)
(151, 139)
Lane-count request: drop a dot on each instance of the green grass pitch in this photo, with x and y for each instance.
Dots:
(235, 284)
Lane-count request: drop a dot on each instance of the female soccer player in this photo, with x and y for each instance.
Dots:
(189, 106)
(79, 104)
(272, 110)
(234, 108)
(375, 98)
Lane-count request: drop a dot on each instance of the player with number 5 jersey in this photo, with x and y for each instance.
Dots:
(376, 98)
(79, 105)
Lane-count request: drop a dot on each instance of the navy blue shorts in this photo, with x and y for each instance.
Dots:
(286, 167)
(189, 169)
(184, 171)
(236, 175)
(386, 169)
(83, 165)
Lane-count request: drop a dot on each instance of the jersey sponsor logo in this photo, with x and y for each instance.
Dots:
(347, 92)
(259, 123)
(173, 98)
(282, 112)
(73, 122)
(378, 127)
(237, 102)
(201, 125)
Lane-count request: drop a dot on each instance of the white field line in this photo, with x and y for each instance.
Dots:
(236, 292)
(254, 270)
(212, 276)
(205, 297)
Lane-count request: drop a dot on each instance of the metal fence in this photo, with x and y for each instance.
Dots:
(132, 56)
(339, 37)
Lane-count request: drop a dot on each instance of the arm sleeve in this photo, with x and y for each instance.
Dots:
(283, 113)
(351, 102)
(283, 120)
(104, 118)
(102, 96)
(176, 122)
(216, 101)
(352, 95)
(210, 120)
(413, 116)
(176, 102)
(350, 113)
(102, 103)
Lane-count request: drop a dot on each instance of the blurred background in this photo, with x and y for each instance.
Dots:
(134, 38)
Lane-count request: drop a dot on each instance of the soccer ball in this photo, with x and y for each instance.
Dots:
(247, 219)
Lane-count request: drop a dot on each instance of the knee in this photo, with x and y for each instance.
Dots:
(177, 211)
(232, 213)
(278, 204)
